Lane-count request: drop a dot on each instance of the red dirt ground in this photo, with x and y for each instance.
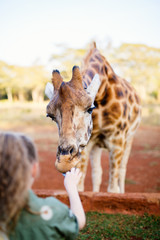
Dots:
(143, 171)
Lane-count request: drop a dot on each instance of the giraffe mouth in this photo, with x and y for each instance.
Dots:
(64, 163)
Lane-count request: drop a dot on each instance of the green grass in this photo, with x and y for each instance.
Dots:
(102, 226)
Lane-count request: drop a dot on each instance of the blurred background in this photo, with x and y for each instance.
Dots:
(37, 36)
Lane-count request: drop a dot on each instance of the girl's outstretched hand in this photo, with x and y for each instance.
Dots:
(70, 182)
(71, 179)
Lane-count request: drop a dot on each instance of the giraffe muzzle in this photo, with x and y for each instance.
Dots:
(64, 163)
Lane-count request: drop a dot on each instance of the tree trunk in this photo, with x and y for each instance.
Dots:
(9, 94)
(21, 97)
(158, 95)
(37, 95)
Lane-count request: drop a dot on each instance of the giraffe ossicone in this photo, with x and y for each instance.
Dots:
(92, 89)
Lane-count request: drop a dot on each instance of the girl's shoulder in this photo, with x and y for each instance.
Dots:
(46, 216)
(35, 202)
(47, 205)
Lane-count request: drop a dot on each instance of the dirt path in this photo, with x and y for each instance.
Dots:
(143, 172)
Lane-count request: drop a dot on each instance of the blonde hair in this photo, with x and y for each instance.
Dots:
(17, 154)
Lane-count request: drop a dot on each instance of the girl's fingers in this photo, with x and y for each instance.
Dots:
(80, 174)
(72, 170)
(77, 170)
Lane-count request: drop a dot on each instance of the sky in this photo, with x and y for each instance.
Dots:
(31, 30)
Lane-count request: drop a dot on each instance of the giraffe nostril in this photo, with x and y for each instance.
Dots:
(67, 151)
(72, 150)
(62, 151)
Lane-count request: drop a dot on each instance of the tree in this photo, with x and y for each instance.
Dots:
(140, 64)
(23, 82)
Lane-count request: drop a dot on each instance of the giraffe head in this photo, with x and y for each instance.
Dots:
(70, 107)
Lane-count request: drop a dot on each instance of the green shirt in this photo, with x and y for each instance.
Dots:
(52, 220)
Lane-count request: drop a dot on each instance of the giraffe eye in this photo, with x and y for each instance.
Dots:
(51, 116)
(90, 110)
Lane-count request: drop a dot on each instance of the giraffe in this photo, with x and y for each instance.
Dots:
(84, 130)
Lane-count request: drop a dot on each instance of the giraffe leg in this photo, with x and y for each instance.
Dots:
(113, 174)
(84, 164)
(95, 157)
(83, 169)
(123, 165)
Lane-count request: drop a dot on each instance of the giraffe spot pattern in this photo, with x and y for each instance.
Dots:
(126, 91)
(103, 88)
(113, 79)
(124, 109)
(92, 60)
(108, 132)
(119, 92)
(107, 96)
(113, 165)
(95, 121)
(106, 70)
(117, 133)
(99, 58)
(119, 155)
(107, 119)
(115, 110)
(101, 136)
(119, 162)
(121, 125)
(117, 142)
(130, 99)
(103, 71)
(135, 112)
(96, 67)
(90, 73)
(137, 99)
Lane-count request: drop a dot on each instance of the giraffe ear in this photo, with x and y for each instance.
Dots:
(49, 90)
(93, 88)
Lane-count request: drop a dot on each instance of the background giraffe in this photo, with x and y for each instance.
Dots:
(115, 119)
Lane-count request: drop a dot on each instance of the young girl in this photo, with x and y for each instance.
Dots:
(23, 215)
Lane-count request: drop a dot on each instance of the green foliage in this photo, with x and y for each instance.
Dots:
(139, 64)
(101, 226)
(22, 82)
(67, 59)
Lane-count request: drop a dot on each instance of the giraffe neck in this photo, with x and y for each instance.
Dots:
(96, 63)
